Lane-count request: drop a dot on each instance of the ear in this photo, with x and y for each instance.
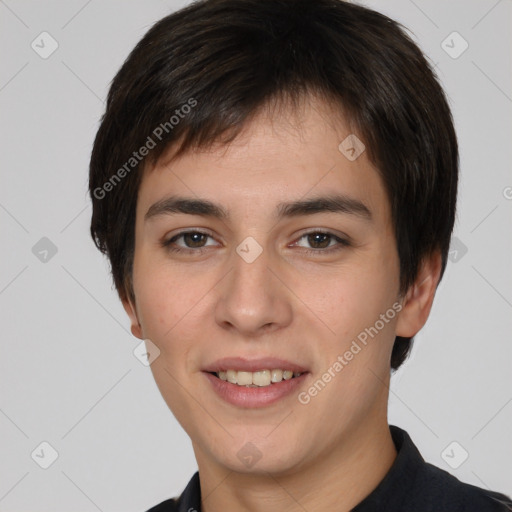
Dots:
(131, 311)
(419, 298)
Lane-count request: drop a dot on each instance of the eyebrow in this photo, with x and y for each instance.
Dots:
(338, 203)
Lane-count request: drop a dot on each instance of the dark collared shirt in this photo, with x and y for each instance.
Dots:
(411, 485)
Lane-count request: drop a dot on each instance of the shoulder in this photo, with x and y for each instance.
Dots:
(170, 505)
(414, 484)
(438, 490)
(188, 501)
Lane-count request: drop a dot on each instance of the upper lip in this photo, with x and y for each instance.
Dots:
(253, 365)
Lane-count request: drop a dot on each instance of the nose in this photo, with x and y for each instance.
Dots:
(252, 299)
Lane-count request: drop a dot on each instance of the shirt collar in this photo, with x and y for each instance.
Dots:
(392, 491)
(190, 499)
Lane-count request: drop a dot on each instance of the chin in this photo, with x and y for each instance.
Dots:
(258, 458)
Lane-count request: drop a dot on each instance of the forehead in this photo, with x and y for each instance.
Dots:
(286, 154)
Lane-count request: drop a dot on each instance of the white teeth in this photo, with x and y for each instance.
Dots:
(232, 376)
(277, 375)
(260, 378)
(244, 378)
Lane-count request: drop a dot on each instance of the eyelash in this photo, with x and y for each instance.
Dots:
(342, 243)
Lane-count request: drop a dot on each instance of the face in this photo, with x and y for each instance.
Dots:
(275, 252)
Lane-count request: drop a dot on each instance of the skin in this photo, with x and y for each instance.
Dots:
(288, 303)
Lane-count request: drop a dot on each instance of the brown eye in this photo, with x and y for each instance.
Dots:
(194, 239)
(188, 241)
(319, 240)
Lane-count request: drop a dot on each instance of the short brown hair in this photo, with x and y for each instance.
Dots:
(232, 57)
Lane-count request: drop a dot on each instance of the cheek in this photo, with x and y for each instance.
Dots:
(351, 300)
(169, 305)
(357, 305)
(169, 302)
(165, 294)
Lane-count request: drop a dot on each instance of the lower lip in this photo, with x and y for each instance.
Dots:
(245, 397)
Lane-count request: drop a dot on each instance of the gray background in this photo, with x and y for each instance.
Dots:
(67, 370)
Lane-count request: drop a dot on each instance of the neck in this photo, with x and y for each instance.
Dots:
(339, 479)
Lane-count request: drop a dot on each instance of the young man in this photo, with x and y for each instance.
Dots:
(274, 182)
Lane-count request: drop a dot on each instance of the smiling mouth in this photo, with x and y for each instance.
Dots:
(261, 378)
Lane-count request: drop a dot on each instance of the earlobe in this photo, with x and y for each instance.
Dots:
(418, 301)
(131, 311)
